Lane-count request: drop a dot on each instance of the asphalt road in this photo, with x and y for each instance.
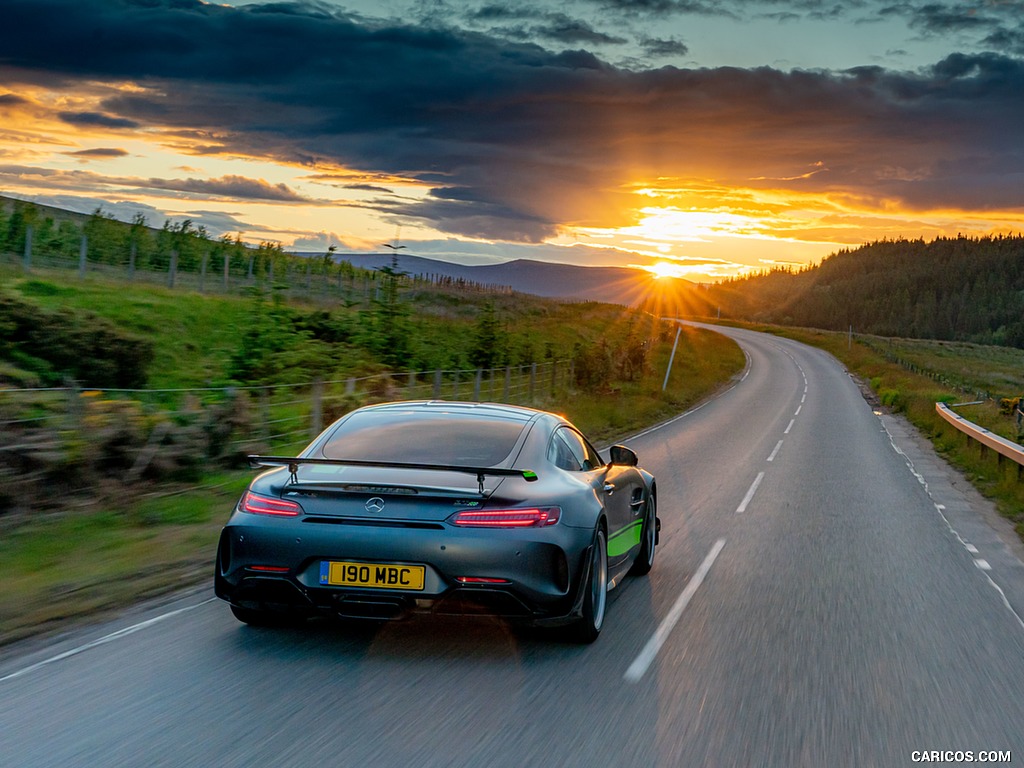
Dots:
(825, 593)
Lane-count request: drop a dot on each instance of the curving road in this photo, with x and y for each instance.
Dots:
(825, 593)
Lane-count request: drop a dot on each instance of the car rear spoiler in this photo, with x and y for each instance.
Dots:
(293, 463)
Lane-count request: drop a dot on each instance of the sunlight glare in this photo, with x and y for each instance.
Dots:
(662, 269)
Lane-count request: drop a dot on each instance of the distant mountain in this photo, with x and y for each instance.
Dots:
(616, 285)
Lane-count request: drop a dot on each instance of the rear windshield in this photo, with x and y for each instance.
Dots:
(425, 438)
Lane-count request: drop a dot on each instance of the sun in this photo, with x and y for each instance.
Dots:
(662, 269)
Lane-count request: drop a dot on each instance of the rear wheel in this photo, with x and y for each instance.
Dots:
(648, 540)
(595, 598)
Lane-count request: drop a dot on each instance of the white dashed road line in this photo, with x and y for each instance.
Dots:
(642, 662)
(102, 641)
(750, 494)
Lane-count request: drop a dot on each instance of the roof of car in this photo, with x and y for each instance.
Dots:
(484, 410)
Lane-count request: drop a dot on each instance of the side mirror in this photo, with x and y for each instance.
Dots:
(622, 455)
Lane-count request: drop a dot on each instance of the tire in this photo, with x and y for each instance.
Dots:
(648, 541)
(595, 600)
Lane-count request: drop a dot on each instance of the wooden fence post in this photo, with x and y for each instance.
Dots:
(83, 255)
(28, 248)
(172, 273)
(264, 410)
(316, 419)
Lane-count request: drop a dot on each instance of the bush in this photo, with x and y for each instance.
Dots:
(891, 398)
(66, 344)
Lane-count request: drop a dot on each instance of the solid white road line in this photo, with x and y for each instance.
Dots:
(102, 641)
(642, 662)
(750, 493)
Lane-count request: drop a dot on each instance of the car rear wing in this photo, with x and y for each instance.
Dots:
(294, 462)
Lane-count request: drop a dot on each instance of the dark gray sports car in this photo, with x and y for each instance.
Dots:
(440, 507)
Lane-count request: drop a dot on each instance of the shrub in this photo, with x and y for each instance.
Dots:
(68, 344)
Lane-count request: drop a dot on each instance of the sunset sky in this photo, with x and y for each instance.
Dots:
(700, 138)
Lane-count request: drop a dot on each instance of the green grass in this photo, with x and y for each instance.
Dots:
(194, 334)
(89, 561)
(704, 361)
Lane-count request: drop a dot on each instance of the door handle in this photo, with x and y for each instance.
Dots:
(609, 488)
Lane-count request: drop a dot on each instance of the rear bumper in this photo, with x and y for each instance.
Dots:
(540, 569)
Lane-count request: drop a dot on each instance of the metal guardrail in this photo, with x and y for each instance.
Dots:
(999, 444)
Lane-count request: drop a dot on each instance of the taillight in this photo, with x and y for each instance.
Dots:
(506, 518)
(265, 505)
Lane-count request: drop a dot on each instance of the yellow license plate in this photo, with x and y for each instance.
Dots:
(376, 575)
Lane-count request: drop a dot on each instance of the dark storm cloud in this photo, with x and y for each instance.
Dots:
(665, 7)
(100, 153)
(225, 187)
(513, 138)
(569, 31)
(533, 23)
(1008, 40)
(236, 187)
(368, 188)
(657, 47)
(997, 25)
(96, 119)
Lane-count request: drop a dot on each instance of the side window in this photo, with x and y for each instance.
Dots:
(561, 454)
(594, 460)
(585, 458)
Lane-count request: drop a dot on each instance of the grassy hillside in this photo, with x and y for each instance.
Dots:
(951, 289)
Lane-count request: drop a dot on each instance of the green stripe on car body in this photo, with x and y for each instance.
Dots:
(624, 539)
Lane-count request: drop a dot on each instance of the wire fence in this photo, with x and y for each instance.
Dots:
(230, 270)
(293, 413)
(55, 441)
(882, 346)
